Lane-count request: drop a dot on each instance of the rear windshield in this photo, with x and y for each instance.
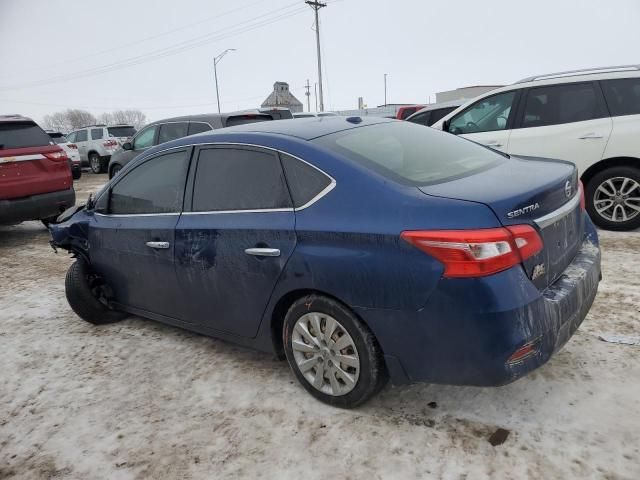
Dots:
(121, 131)
(251, 118)
(22, 134)
(58, 138)
(410, 153)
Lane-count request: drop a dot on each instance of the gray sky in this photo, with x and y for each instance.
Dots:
(424, 46)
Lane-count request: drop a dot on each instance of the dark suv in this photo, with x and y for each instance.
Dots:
(172, 128)
(35, 176)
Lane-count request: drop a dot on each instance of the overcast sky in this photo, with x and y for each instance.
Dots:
(156, 55)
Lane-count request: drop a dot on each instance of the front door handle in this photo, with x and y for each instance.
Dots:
(158, 245)
(263, 252)
(589, 136)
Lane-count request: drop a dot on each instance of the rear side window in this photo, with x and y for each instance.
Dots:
(238, 179)
(410, 153)
(81, 136)
(557, 104)
(305, 182)
(242, 119)
(171, 131)
(198, 127)
(22, 135)
(421, 118)
(156, 186)
(121, 131)
(623, 96)
(96, 134)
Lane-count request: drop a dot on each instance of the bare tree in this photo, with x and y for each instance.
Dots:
(129, 117)
(68, 120)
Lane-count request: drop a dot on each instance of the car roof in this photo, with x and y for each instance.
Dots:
(215, 119)
(15, 118)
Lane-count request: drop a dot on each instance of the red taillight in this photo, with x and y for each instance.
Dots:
(475, 253)
(72, 145)
(581, 189)
(524, 352)
(110, 143)
(57, 156)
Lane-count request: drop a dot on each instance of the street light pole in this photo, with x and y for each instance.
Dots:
(215, 72)
(385, 88)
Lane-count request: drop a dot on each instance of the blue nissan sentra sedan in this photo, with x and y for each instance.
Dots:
(357, 249)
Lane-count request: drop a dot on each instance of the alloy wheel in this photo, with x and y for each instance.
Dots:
(325, 353)
(617, 199)
(95, 164)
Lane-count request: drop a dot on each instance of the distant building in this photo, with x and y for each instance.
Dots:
(283, 98)
(464, 93)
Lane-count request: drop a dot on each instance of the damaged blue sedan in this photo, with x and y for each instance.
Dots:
(358, 249)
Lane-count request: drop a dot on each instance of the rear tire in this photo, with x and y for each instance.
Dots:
(612, 194)
(76, 174)
(81, 288)
(318, 356)
(96, 164)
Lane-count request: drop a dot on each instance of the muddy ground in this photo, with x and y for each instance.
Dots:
(139, 399)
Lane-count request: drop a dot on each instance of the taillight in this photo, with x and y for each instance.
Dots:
(476, 253)
(72, 145)
(110, 143)
(581, 189)
(57, 156)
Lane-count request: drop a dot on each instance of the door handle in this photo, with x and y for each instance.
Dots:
(263, 252)
(158, 245)
(493, 144)
(589, 136)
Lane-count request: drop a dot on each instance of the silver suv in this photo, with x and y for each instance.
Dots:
(96, 143)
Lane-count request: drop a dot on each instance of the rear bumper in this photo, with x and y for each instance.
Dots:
(469, 328)
(36, 207)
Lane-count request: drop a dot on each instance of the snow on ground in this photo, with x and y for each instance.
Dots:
(139, 399)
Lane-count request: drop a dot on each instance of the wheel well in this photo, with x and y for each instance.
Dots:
(608, 163)
(90, 152)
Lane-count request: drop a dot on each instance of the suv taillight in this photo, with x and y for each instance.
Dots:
(110, 143)
(58, 156)
(476, 253)
(72, 145)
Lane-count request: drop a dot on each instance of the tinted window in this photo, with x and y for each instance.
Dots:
(439, 113)
(96, 133)
(121, 131)
(145, 138)
(156, 186)
(421, 118)
(171, 131)
(58, 138)
(305, 182)
(487, 115)
(242, 119)
(573, 102)
(410, 153)
(81, 136)
(198, 127)
(22, 134)
(623, 96)
(235, 179)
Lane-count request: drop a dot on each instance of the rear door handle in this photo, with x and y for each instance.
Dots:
(589, 136)
(263, 252)
(158, 245)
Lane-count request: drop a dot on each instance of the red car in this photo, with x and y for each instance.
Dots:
(35, 176)
(405, 111)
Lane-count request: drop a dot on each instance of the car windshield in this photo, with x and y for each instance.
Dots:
(58, 138)
(121, 131)
(410, 153)
(22, 135)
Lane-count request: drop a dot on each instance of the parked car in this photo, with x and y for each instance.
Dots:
(358, 248)
(314, 114)
(35, 176)
(589, 117)
(432, 113)
(71, 149)
(172, 128)
(97, 143)
(407, 110)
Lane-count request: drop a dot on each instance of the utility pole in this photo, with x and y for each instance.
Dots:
(308, 94)
(385, 88)
(316, 5)
(315, 93)
(215, 72)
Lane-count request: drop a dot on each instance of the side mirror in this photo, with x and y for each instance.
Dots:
(445, 125)
(127, 146)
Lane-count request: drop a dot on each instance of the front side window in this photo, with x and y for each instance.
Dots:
(96, 133)
(305, 182)
(557, 104)
(72, 137)
(145, 138)
(439, 113)
(410, 153)
(171, 131)
(81, 136)
(239, 179)
(198, 127)
(156, 186)
(623, 96)
(487, 115)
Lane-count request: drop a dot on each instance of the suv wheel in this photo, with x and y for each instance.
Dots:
(95, 162)
(613, 198)
(332, 353)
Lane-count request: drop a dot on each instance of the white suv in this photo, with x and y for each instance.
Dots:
(96, 143)
(588, 117)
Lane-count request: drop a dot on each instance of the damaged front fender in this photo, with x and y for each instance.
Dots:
(72, 233)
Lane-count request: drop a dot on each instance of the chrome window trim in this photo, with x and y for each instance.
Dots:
(169, 214)
(315, 199)
(559, 213)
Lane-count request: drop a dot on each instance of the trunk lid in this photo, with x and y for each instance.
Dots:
(539, 192)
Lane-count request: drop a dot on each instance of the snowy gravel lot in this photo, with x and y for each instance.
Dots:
(139, 399)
